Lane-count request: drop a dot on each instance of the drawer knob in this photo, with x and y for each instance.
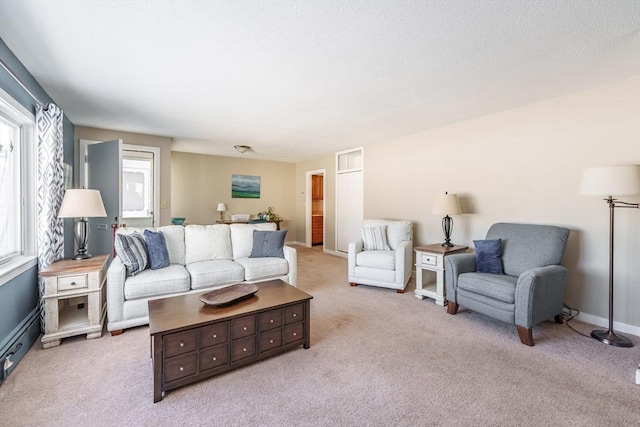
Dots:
(244, 328)
(271, 320)
(181, 344)
(244, 349)
(73, 283)
(181, 368)
(295, 315)
(270, 341)
(294, 334)
(214, 358)
(215, 336)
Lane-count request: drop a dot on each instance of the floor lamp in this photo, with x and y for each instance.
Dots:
(607, 182)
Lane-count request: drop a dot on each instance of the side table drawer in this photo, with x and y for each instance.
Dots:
(180, 367)
(68, 283)
(213, 357)
(428, 259)
(179, 343)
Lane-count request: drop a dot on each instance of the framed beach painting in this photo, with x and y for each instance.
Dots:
(245, 187)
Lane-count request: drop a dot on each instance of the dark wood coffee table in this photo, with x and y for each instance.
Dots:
(191, 341)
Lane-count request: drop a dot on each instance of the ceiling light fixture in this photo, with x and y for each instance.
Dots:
(242, 148)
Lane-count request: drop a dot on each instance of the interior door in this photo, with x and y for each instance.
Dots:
(349, 212)
(104, 172)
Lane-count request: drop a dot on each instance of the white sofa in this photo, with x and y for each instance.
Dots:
(202, 257)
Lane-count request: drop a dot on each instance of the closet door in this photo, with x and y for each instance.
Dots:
(349, 209)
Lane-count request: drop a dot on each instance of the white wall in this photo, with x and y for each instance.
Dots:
(525, 165)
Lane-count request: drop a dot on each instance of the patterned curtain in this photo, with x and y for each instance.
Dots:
(50, 189)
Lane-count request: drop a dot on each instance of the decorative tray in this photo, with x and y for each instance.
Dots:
(229, 295)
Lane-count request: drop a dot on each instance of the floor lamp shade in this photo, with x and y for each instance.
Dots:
(608, 182)
(83, 204)
(447, 204)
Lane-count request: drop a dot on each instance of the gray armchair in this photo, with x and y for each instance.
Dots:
(531, 289)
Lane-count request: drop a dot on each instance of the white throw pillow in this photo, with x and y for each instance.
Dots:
(375, 238)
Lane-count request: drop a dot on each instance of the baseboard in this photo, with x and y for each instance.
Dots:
(18, 343)
(617, 326)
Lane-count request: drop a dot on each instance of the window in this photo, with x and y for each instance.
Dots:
(17, 188)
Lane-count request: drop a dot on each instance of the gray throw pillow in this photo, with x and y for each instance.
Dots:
(156, 249)
(268, 244)
(132, 251)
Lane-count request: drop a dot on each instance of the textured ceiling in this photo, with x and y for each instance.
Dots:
(300, 79)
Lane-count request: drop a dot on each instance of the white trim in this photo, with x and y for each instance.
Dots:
(29, 164)
(617, 326)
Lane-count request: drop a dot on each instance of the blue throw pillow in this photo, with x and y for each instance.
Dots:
(156, 249)
(268, 244)
(488, 256)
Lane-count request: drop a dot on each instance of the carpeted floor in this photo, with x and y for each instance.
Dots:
(377, 358)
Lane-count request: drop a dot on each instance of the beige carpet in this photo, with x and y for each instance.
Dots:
(377, 358)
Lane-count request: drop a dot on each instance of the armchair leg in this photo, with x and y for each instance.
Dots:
(116, 332)
(526, 335)
(558, 319)
(353, 284)
(452, 307)
(400, 291)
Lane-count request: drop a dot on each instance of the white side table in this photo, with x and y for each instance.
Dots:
(431, 258)
(74, 299)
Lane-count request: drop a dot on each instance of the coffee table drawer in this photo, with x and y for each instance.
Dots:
(294, 332)
(213, 357)
(270, 319)
(179, 343)
(270, 339)
(214, 334)
(180, 367)
(294, 313)
(243, 348)
(243, 326)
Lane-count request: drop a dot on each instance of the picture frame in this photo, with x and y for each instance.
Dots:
(245, 187)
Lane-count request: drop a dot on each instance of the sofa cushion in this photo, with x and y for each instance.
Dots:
(156, 249)
(268, 244)
(215, 272)
(385, 260)
(242, 237)
(263, 268)
(152, 283)
(488, 258)
(132, 250)
(496, 286)
(375, 238)
(207, 242)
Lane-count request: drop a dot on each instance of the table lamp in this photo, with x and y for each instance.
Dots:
(222, 207)
(447, 204)
(608, 182)
(83, 204)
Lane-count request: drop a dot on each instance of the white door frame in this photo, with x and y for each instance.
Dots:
(309, 205)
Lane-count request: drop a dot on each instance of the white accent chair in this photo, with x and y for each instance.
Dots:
(384, 268)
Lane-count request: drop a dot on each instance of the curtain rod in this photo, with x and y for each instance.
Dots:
(17, 79)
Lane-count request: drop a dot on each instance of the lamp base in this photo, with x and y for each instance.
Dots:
(610, 338)
(447, 245)
(81, 256)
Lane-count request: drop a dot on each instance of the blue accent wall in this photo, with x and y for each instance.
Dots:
(19, 317)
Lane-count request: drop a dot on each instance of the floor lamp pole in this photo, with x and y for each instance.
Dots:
(609, 336)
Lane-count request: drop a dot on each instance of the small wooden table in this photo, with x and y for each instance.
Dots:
(431, 258)
(191, 341)
(74, 299)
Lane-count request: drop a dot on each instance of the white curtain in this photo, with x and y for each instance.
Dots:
(50, 189)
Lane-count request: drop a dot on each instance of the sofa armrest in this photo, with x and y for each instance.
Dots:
(291, 255)
(539, 294)
(353, 250)
(116, 276)
(454, 266)
(404, 260)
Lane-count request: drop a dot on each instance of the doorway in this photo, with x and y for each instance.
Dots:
(315, 209)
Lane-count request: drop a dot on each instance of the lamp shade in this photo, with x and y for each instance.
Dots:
(446, 204)
(610, 181)
(82, 203)
(222, 207)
